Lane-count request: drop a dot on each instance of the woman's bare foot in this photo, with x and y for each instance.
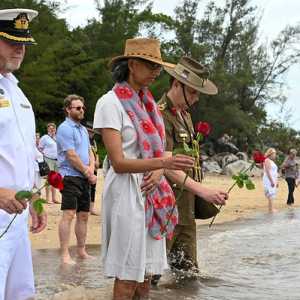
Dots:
(272, 211)
(94, 213)
(56, 201)
(83, 254)
(66, 259)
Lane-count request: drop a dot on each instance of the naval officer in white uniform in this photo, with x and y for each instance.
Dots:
(17, 159)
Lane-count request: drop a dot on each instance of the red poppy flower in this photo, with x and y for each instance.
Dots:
(167, 201)
(173, 111)
(165, 187)
(146, 145)
(149, 95)
(141, 94)
(130, 114)
(149, 106)
(157, 153)
(148, 127)
(161, 131)
(55, 180)
(258, 157)
(174, 220)
(124, 93)
(203, 127)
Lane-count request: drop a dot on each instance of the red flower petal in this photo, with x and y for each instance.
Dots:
(149, 106)
(123, 93)
(130, 114)
(148, 127)
(203, 127)
(55, 180)
(157, 153)
(146, 145)
(258, 157)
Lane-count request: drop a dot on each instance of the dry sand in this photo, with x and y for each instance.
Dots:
(242, 204)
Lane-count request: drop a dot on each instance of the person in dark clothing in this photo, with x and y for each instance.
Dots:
(291, 172)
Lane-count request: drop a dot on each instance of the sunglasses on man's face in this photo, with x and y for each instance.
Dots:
(78, 108)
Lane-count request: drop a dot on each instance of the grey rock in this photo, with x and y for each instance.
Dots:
(241, 165)
(227, 159)
(211, 167)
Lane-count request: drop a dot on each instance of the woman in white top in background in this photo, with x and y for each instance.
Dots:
(270, 178)
(48, 147)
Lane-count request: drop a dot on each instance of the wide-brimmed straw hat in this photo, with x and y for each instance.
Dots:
(191, 73)
(14, 25)
(145, 48)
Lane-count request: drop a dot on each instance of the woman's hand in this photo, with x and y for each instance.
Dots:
(178, 162)
(151, 180)
(214, 196)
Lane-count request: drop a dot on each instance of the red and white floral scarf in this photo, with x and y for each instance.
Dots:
(160, 207)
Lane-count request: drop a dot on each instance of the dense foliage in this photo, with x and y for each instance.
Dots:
(248, 71)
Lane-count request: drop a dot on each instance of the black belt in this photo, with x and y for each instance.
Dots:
(50, 158)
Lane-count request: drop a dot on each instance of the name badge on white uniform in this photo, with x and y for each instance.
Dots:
(4, 103)
(25, 105)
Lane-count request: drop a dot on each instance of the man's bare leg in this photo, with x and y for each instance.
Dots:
(64, 230)
(47, 189)
(81, 232)
(54, 199)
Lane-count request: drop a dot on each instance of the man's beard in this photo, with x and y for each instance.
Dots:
(77, 117)
(9, 66)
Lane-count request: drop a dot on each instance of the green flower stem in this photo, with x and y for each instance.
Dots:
(229, 190)
(6, 229)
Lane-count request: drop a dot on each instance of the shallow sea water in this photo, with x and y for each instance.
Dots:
(257, 258)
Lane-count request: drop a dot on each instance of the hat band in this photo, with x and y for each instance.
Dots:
(17, 39)
(142, 54)
(188, 75)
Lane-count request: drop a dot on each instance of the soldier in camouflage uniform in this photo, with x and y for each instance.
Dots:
(188, 80)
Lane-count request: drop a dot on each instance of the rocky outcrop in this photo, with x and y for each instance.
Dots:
(229, 164)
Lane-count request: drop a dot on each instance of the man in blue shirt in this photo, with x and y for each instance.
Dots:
(76, 165)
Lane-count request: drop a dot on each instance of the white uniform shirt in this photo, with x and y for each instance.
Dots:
(17, 142)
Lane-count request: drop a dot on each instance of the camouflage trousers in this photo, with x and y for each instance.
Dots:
(182, 249)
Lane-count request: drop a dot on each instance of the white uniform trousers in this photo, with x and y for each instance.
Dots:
(16, 271)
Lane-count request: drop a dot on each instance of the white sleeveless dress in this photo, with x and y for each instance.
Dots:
(270, 191)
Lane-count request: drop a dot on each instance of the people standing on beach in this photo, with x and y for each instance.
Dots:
(17, 160)
(189, 79)
(291, 173)
(48, 147)
(94, 148)
(137, 199)
(76, 165)
(270, 178)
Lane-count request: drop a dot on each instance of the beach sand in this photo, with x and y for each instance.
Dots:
(242, 204)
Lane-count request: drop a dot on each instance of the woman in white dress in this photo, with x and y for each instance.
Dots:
(138, 204)
(270, 178)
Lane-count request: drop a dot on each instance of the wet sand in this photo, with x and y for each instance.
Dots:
(242, 204)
